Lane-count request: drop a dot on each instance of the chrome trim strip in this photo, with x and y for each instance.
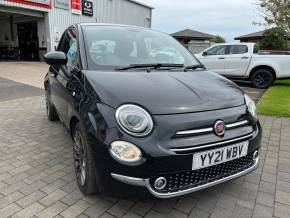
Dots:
(194, 131)
(213, 144)
(198, 188)
(146, 182)
(237, 124)
(210, 129)
(129, 180)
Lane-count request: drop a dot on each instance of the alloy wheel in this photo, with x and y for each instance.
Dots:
(79, 158)
(262, 79)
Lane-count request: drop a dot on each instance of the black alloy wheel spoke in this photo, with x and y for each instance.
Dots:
(47, 104)
(79, 156)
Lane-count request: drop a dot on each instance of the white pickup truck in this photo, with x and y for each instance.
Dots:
(243, 61)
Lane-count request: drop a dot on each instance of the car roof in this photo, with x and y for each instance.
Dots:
(116, 25)
(110, 24)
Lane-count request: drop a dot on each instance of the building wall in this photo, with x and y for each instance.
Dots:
(41, 33)
(198, 46)
(57, 20)
(123, 12)
(195, 46)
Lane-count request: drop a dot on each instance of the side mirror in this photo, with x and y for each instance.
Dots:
(56, 58)
(204, 53)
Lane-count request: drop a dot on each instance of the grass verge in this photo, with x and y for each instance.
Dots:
(276, 101)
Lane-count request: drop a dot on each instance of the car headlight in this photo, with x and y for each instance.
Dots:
(125, 151)
(134, 120)
(251, 106)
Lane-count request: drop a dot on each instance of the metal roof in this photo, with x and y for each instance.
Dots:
(191, 34)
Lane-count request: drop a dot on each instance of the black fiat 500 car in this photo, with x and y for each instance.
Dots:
(144, 114)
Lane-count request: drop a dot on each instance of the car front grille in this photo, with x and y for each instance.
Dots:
(210, 129)
(189, 150)
(190, 179)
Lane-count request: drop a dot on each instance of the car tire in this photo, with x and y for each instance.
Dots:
(84, 163)
(50, 109)
(262, 78)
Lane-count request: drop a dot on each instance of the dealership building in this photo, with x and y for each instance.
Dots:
(29, 28)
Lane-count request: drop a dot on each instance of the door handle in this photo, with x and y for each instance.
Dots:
(245, 57)
(222, 58)
(52, 74)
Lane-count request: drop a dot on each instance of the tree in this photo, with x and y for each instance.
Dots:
(276, 12)
(274, 39)
(218, 39)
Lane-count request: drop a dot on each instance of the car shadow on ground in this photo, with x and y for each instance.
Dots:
(10, 90)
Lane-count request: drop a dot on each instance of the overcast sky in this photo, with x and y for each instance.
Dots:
(228, 18)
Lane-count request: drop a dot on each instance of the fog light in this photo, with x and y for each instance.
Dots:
(255, 154)
(125, 152)
(160, 183)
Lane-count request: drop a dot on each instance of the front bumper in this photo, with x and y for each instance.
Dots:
(145, 182)
(168, 153)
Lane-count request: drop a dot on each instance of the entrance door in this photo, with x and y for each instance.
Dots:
(28, 41)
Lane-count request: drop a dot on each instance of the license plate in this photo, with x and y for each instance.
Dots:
(220, 155)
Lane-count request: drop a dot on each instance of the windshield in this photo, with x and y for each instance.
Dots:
(112, 47)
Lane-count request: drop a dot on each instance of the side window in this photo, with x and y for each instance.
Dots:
(256, 49)
(217, 50)
(64, 43)
(72, 54)
(68, 45)
(238, 49)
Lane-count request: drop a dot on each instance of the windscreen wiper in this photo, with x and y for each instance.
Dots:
(151, 66)
(194, 67)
